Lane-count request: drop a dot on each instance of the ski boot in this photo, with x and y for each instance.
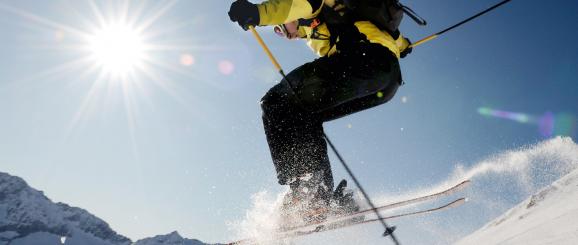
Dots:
(343, 203)
(342, 200)
(307, 201)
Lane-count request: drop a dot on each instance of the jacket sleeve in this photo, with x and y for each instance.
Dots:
(276, 12)
(402, 43)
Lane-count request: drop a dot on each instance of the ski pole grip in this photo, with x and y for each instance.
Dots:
(425, 40)
(262, 43)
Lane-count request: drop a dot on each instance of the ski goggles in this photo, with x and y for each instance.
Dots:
(281, 31)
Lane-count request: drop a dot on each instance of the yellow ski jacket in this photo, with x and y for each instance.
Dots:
(277, 12)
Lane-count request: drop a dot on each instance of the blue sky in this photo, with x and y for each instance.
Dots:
(183, 148)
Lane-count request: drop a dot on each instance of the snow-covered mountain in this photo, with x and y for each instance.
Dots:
(548, 217)
(28, 217)
(169, 239)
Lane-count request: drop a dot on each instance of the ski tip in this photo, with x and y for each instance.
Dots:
(462, 185)
(466, 182)
(457, 202)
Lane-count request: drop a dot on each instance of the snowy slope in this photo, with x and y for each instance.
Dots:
(548, 217)
(28, 217)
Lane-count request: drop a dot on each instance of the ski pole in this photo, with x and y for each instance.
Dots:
(271, 57)
(434, 36)
(388, 230)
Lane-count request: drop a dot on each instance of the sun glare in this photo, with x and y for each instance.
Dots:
(117, 48)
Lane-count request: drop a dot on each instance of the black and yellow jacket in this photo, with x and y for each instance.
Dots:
(276, 12)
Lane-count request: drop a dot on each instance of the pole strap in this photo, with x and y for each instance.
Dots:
(413, 15)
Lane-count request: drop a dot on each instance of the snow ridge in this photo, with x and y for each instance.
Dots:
(28, 217)
(24, 211)
(173, 238)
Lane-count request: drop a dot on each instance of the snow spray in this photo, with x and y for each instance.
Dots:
(498, 182)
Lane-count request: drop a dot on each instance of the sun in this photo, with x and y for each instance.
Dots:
(120, 51)
(117, 48)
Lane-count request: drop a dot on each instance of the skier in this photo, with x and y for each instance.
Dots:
(358, 69)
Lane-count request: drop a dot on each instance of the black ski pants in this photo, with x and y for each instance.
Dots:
(328, 88)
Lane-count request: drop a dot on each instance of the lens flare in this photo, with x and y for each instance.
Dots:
(546, 124)
(518, 117)
(187, 60)
(549, 124)
(226, 67)
(564, 124)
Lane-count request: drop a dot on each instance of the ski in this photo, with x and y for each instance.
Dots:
(339, 225)
(407, 202)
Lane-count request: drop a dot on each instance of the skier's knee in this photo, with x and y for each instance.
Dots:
(274, 99)
(267, 102)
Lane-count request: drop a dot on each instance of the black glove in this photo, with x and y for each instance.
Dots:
(244, 13)
(407, 50)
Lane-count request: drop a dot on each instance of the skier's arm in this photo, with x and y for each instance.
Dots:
(403, 44)
(276, 12)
